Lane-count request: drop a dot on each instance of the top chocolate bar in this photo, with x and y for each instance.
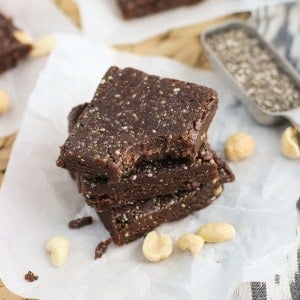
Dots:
(139, 8)
(135, 117)
(11, 50)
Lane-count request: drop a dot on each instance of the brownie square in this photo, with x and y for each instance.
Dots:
(11, 50)
(157, 178)
(139, 8)
(135, 117)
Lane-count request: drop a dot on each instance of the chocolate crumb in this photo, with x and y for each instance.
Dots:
(30, 277)
(101, 248)
(80, 222)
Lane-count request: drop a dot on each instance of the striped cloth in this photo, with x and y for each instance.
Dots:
(280, 25)
(281, 287)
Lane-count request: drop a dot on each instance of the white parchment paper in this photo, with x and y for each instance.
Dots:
(38, 199)
(102, 20)
(37, 18)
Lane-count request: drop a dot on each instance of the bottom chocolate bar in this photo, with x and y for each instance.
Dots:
(130, 222)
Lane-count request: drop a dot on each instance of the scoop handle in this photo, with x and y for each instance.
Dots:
(293, 116)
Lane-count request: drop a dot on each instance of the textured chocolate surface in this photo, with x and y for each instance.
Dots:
(130, 222)
(158, 178)
(154, 178)
(134, 117)
(139, 8)
(148, 179)
(223, 175)
(74, 115)
(11, 50)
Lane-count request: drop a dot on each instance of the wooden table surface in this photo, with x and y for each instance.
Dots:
(182, 44)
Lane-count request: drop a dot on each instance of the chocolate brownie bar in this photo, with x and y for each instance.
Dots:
(130, 222)
(152, 179)
(159, 178)
(139, 8)
(11, 50)
(218, 172)
(134, 117)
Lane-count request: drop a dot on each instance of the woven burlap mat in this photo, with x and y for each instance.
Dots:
(182, 44)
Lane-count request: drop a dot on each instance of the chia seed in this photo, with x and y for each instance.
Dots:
(255, 70)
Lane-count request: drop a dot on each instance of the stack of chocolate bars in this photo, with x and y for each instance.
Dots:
(139, 151)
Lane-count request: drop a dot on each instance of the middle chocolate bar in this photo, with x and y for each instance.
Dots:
(151, 179)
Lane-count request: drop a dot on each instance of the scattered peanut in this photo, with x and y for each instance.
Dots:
(239, 146)
(156, 248)
(43, 46)
(290, 143)
(4, 102)
(59, 247)
(191, 242)
(218, 191)
(22, 37)
(216, 232)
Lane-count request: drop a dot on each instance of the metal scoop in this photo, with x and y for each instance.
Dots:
(258, 113)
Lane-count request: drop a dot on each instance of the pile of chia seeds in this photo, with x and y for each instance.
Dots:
(255, 70)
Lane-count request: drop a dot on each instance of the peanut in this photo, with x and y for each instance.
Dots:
(43, 46)
(4, 102)
(191, 242)
(216, 232)
(58, 247)
(218, 191)
(156, 248)
(22, 37)
(239, 146)
(290, 144)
